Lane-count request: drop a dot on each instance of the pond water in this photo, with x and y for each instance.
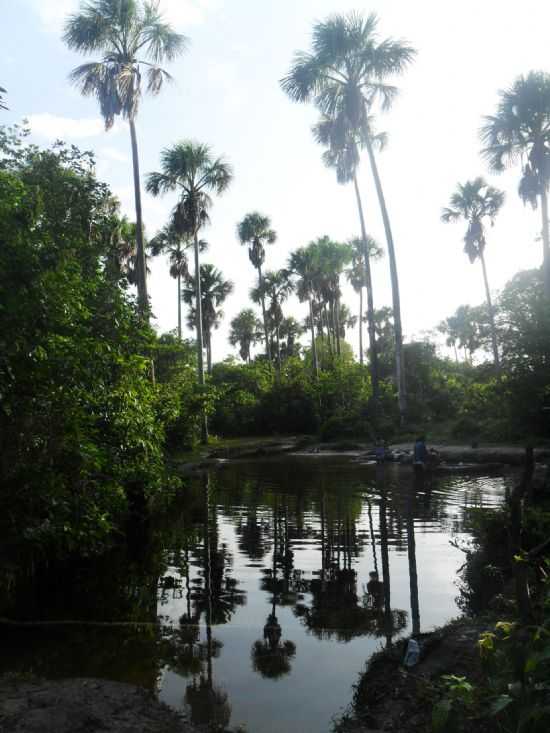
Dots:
(248, 603)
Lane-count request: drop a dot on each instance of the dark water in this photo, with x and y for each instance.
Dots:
(247, 604)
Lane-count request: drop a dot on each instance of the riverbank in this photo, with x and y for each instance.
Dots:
(83, 706)
(497, 454)
(390, 697)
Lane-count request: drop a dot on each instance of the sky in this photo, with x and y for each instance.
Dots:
(226, 94)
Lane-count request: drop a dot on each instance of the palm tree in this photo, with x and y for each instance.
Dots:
(520, 132)
(214, 291)
(246, 330)
(190, 169)
(331, 258)
(276, 287)
(130, 35)
(302, 264)
(475, 201)
(289, 332)
(345, 76)
(255, 231)
(357, 278)
(169, 242)
(342, 154)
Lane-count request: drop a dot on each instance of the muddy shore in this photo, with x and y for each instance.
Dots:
(84, 706)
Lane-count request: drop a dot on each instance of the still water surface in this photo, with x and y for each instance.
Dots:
(249, 605)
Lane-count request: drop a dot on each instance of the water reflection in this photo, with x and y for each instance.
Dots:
(290, 571)
(271, 656)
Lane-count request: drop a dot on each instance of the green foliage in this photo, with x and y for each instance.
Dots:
(82, 424)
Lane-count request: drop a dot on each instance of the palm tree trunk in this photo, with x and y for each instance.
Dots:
(456, 352)
(361, 326)
(337, 326)
(313, 343)
(209, 352)
(278, 346)
(370, 299)
(396, 301)
(143, 300)
(200, 344)
(179, 306)
(545, 242)
(491, 312)
(264, 315)
(329, 338)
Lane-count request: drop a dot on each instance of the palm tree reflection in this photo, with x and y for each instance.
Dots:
(209, 703)
(271, 656)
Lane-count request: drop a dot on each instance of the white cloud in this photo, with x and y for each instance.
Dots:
(181, 13)
(53, 127)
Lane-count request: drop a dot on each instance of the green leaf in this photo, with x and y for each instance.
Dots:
(500, 704)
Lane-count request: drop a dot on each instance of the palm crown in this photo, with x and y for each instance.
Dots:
(255, 231)
(130, 35)
(190, 168)
(474, 201)
(520, 132)
(346, 70)
(214, 291)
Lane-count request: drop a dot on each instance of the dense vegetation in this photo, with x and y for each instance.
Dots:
(92, 399)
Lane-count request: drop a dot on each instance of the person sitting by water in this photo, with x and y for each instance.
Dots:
(421, 455)
(380, 451)
(375, 589)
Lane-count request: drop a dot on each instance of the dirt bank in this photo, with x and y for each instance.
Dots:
(84, 706)
(388, 697)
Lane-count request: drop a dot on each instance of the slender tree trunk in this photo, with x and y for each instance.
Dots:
(264, 314)
(456, 352)
(545, 242)
(336, 309)
(179, 306)
(313, 343)
(396, 300)
(496, 357)
(200, 344)
(329, 337)
(361, 360)
(370, 298)
(209, 352)
(143, 300)
(277, 340)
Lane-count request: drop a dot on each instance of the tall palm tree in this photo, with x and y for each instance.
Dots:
(276, 287)
(169, 241)
(190, 169)
(246, 330)
(255, 231)
(475, 201)
(214, 291)
(345, 75)
(130, 35)
(357, 278)
(331, 258)
(302, 264)
(520, 132)
(342, 154)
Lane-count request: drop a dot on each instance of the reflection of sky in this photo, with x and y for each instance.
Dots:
(319, 684)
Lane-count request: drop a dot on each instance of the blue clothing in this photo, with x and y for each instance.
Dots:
(420, 452)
